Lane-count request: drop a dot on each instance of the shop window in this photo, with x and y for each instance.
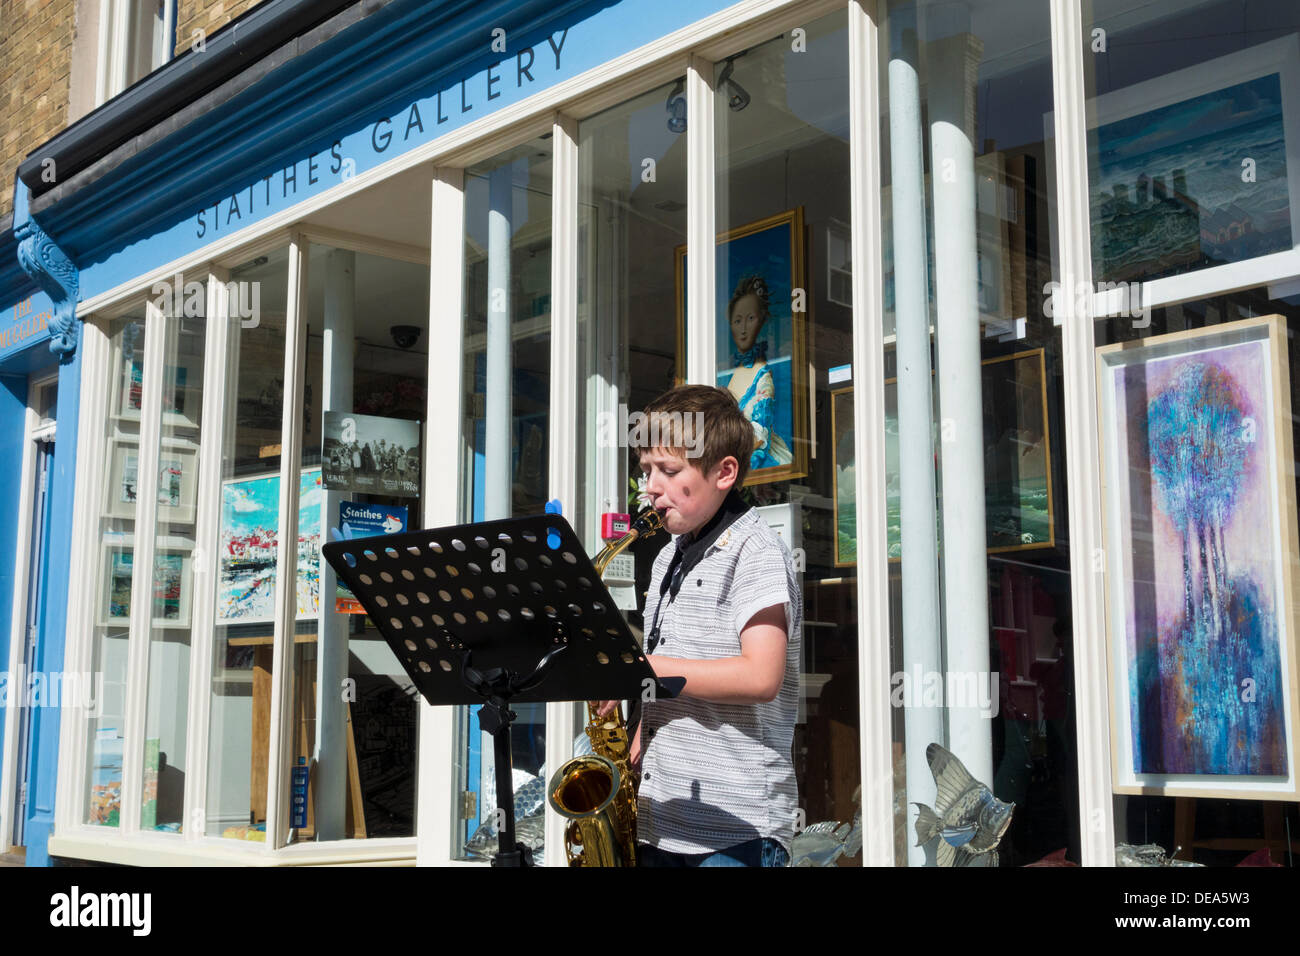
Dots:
(114, 560)
(240, 717)
(979, 563)
(172, 517)
(1194, 200)
(506, 427)
(365, 403)
(782, 143)
(631, 229)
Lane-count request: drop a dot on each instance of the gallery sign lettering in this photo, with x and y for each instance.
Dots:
(527, 70)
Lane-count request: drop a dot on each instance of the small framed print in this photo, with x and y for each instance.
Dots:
(181, 392)
(173, 581)
(177, 481)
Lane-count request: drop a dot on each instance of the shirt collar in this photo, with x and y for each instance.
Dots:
(692, 547)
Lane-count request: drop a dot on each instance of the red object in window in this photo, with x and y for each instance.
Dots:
(614, 525)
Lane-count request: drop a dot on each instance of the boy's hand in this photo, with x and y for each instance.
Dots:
(604, 707)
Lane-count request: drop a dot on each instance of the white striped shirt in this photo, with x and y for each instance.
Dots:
(714, 775)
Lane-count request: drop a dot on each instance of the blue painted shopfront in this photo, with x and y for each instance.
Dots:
(395, 80)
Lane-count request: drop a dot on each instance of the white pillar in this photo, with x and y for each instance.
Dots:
(497, 457)
(920, 573)
(330, 786)
(497, 438)
(951, 100)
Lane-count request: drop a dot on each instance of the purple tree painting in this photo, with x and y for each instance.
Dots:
(1205, 677)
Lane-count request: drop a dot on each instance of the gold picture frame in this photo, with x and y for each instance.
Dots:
(771, 252)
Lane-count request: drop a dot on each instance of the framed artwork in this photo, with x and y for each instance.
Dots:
(173, 584)
(106, 779)
(996, 209)
(182, 391)
(1199, 497)
(1000, 258)
(1019, 511)
(250, 534)
(177, 481)
(761, 341)
(371, 455)
(1194, 179)
(846, 498)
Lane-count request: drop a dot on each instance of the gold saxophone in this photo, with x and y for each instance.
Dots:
(597, 792)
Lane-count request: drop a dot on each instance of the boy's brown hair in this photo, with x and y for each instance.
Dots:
(722, 429)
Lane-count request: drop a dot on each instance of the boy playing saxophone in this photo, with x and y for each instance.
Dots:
(724, 612)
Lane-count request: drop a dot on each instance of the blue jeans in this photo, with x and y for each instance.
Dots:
(761, 851)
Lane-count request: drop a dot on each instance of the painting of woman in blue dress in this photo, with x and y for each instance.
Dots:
(760, 326)
(752, 384)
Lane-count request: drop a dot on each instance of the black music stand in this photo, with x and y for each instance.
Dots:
(496, 612)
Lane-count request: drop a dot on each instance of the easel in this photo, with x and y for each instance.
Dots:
(1185, 832)
(304, 694)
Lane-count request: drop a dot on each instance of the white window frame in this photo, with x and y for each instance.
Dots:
(690, 51)
(114, 41)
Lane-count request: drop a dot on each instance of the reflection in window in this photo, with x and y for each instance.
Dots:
(981, 646)
(507, 350)
(783, 337)
(366, 388)
(1195, 210)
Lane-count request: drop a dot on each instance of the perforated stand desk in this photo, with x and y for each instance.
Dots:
(497, 612)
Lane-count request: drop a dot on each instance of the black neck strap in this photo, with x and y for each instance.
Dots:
(690, 552)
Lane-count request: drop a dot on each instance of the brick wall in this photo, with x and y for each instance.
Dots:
(206, 15)
(35, 64)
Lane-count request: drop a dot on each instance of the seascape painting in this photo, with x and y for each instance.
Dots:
(250, 533)
(1017, 453)
(1197, 509)
(1168, 193)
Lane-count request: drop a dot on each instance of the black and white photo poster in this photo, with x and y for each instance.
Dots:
(365, 453)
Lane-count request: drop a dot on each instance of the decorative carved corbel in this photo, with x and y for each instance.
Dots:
(55, 273)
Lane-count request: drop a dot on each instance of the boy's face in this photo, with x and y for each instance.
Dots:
(684, 496)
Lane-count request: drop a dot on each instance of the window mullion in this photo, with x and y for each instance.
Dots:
(701, 229)
(1083, 473)
(875, 741)
(142, 571)
(562, 479)
(437, 808)
(207, 528)
(286, 592)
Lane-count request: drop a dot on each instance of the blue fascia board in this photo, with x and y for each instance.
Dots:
(324, 116)
(343, 84)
